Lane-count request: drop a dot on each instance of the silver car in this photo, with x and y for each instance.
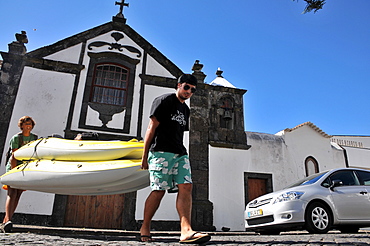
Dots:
(335, 199)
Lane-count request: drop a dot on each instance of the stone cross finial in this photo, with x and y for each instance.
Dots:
(22, 37)
(197, 68)
(121, 5)
(18, 47)
(219, 72)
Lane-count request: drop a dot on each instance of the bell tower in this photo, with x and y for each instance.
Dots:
(226, 118)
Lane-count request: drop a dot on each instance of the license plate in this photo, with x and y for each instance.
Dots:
(255, 213)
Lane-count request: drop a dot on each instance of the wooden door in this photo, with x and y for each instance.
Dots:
(255, 185)
(103, 211)
(256, 188)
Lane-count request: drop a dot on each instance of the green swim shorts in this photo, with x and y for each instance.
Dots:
(167, 170)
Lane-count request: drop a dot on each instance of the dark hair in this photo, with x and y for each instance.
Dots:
(187, 78)
(25, 119)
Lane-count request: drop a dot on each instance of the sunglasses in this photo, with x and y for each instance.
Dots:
(187, 87)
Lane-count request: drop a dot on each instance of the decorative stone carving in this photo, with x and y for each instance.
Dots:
(117, 36)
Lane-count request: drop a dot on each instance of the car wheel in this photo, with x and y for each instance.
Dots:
(318, 218)
(348, 229)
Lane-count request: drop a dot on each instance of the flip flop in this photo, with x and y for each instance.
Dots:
(197, 240)
(148, 237)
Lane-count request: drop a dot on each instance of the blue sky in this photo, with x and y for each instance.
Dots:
(295, 67)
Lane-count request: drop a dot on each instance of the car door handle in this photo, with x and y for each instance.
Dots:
(363, 192)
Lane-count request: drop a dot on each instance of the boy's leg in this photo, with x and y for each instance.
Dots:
(156, 162)
(184, 205)
(151, 206)
(184, 202)
(11, 203)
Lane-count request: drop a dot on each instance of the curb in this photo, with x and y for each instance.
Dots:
(95, 231)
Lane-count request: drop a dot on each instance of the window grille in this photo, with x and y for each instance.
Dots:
(110, 84)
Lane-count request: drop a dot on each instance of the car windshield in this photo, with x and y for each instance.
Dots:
(307, 180)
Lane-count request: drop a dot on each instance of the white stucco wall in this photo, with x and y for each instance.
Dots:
(226, 186)
(358, 157)
(71, 54)
(270, 155)
(45, 96)
(304, 142)
(154, 68)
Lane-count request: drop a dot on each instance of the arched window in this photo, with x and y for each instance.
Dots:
(109, 92)
(110, 84)
(311, 166)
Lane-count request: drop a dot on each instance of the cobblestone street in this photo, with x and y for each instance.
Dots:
(71, 236)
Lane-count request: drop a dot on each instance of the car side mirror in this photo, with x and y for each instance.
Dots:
(335, 183)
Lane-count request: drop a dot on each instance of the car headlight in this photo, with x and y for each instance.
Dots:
(289, 196)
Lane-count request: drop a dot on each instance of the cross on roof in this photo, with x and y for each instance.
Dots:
(121, 5)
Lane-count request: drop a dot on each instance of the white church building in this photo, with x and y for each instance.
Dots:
(57, 86)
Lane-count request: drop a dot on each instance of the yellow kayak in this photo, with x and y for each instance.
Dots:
(75, 150)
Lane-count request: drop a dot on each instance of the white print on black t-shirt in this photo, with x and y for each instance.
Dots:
(179, 117)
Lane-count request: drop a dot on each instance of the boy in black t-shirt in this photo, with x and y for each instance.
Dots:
(167, 160)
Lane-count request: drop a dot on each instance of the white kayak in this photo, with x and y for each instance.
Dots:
(137, 181)
(79, 150)
(78, 178)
